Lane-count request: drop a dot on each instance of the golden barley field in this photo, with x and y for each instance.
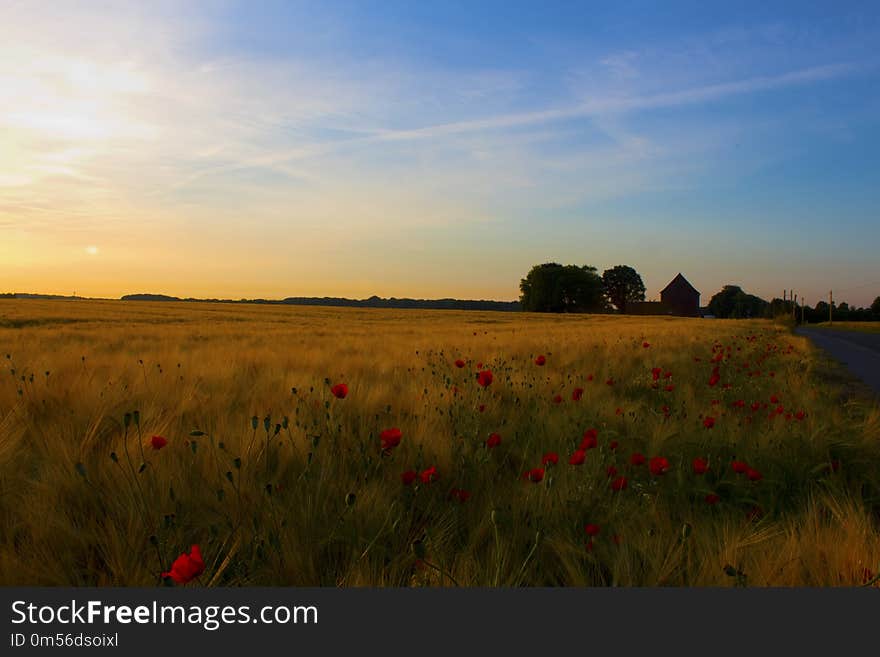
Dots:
(636, 452)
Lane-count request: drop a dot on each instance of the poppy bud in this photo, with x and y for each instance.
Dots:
(350, 499)
(126, 420)
(136, 415)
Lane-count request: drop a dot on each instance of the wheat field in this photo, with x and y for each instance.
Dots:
(756, 469)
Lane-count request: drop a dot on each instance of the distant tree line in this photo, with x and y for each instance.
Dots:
(371, 302)
(733, 302)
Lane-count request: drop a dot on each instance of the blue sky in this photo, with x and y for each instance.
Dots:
(438, 149)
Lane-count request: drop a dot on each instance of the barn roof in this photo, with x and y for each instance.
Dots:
(679, 282)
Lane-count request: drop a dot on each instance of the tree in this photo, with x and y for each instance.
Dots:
(622, 285)
(875, 307)
(731, 301)
(557, 288)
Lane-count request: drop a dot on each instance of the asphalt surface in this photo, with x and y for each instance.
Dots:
(859, 352)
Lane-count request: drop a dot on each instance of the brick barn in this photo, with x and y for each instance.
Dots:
(679, 299)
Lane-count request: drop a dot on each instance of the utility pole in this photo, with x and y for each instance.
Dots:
(830, 306)
(803, 309)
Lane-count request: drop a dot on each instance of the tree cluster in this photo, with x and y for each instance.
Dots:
(555, 288)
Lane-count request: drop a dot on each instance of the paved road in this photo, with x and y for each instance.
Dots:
(860, 352)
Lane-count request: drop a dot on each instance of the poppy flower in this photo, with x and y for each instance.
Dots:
(480, 364)
(460, 495)
(754, 475)
(158, 442)
(612, 445)
(712, 499)
(609, 382)
(484, 378)
(714, 379)
(590, 441)
(577, 393)
(534, 475)
(701, 466)
(493, 440)
(619, 484)
(550, 458)
(611, 471)
(482, 408)
(187, 566)
(340, 390)
(708, 421)
(774, 399)
(592, 530)
(408, 477)
(540, 360)
(459, 363)
(429, 475)
(800, 415)
(670, 388)
(390, 438)
(589, 377)
(659, 465)
(577, 458)
(646, 344)
(655, 373)
(739, 467)
(637, 459)
(557, 399)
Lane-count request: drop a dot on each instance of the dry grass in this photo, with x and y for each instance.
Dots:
(318, 503)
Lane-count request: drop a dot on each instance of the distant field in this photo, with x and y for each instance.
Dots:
(281, 483)
(861, 327)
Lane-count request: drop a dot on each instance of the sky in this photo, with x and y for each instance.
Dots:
(437, 149)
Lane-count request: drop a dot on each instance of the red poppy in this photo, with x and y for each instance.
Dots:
(557, 399)
(459, 363)
(708, 421)
(739, 467)
(534, 475)
(619, 484)
(655, 373)
(158, 442)
(715, 378)
(701, 466)
(646, 344)
(612, 445)
(482, 408)
(754, 475)
(669, 388)
(493, 440)
(577, 458)
(611, 471)
(577, 393)
(187, 566)
(618, 411)
(712, 499)
(408, 477)
(592, 530)
(659, 465)
(429, 475)
(590, 441)
(460, 495)
(755, 406)
(390, 438)
(484, 378)
(609, 382)
(480, 364)
(589, 377)
(550, 458)
(340, 390)
(800, 415)
(637, 459)
(774, 399)
(540, 360)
